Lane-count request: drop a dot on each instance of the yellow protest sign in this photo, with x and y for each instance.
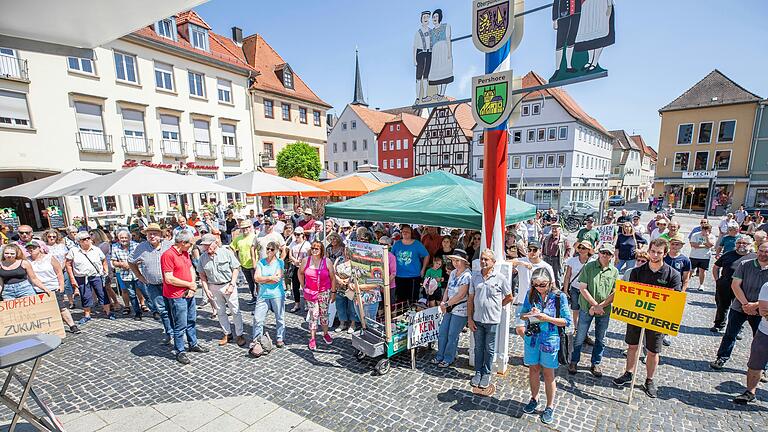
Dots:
(648, 306)
(29, 315)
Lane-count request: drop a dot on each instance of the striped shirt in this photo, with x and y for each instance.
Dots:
(148, 260)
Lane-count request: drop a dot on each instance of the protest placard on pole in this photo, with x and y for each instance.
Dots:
(607, 233)
(30, 315)
(650, 308)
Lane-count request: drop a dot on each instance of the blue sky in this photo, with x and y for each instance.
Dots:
(662, 48)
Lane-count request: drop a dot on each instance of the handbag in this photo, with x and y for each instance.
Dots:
(448, 309)
(566, 337)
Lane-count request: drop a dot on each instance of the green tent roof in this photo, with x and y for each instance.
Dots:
(437, 198)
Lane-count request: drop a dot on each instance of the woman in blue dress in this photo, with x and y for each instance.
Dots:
(542, 340)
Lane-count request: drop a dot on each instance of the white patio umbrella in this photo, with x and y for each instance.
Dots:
(141, 180)
(261, 183)
(42, 187)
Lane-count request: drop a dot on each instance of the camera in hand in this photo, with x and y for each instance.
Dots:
(532, 329)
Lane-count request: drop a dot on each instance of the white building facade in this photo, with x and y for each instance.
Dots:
(172, 95)
(553, 144)
(627, 166)
(352, 141)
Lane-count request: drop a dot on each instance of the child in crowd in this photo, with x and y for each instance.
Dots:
(431, 289)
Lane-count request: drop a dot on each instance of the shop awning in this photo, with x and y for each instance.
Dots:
(264, 184)
(437, 198)
(352, 186)
(42, 187)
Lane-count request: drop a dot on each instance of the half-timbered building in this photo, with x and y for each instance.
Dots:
(445, 141)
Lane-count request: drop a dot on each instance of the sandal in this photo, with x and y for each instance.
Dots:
(126, 311)
(144, 308)
(443, 365)
(434, 361)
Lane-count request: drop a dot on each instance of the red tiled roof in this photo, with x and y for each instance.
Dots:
(221, 48)
(413, 123)
(532, 79)
(262, 57)
(191, 16)
(463, 114)
(373, 118)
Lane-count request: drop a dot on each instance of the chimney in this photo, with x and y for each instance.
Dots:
(237, 35)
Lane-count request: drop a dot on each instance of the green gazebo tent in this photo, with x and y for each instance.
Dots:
(437, 198)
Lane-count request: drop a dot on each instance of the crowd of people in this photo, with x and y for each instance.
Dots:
(557, 288)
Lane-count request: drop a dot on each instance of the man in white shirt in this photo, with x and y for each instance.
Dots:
(639, 228)
(724, 224)
(702, 244)
(259, 247)
(661, 228)
(740, 215)
(525, 269)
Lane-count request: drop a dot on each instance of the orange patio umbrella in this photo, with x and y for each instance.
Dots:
(351, 186)
(312, 183)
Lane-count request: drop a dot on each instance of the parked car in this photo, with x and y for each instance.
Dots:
(580, 208)
(616, 200)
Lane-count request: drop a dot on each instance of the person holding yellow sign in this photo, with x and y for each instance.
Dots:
(657, 273)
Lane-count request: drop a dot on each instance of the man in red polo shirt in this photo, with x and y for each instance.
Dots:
(179, 288)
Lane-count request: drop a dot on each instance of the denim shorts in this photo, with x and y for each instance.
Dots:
(18, 290)
(573, 297)
(535, 355)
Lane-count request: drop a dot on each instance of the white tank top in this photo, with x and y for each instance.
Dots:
(45, 272)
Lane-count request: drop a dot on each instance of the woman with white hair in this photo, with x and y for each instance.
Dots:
(87, 267)
(544, 310)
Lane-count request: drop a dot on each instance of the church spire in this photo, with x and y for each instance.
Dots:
(358, 98)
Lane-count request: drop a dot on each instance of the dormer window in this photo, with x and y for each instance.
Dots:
(198, 37)
(167, 28)
(287, 77)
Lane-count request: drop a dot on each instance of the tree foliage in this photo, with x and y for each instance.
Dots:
(299, 159)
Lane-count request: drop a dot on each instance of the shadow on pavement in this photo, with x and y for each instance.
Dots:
(711, 401)
(465, 400)
(691, 365)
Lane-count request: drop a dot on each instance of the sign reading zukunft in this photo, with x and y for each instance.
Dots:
(648, 306)
(492, 98)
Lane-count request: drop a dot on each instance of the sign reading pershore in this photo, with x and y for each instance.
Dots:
(492, 23)
(492, 98)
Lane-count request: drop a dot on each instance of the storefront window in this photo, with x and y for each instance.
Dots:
(761, 198)
(102, 204)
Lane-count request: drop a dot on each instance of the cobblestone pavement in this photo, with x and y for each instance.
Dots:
(123, 364)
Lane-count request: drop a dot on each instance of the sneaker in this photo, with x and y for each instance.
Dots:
(84, 320)
(744, 398)
(485, 381)
(589, 341)
(701, 289)
(650, 388)
(328, 339)
(572, 368)
(596, 371)
(312, 344)
(72, 306)
(623, 380)
(548, 416)
(182, 358)
(475, 381)
(156, 316)
(764, 377)
(111, 316)
(168, 341)
(718, 364)
(280, 344)
(252, 301)
(137, 318)
(199, 349)
(240, 341)
(667, 341)
(75, 329)
(435, 361)
(715, 329)
(531, 407)
(351, 329)
(342, 327)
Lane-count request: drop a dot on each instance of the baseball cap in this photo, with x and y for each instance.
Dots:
(677, 238)
(589, 219)
(298, 230)
(534, 244)
(207, 239)
(32, 244)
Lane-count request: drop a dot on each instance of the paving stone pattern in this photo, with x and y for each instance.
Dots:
(122, 364)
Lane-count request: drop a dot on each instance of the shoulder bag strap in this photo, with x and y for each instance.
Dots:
(89, 260)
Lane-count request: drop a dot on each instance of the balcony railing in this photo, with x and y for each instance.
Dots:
(173, 148)
(231, 153)
(205, 150)
(137, 146)
(13, 67)
(94, 142)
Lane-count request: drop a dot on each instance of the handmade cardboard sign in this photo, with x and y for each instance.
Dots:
(423, 328)
(647, 306)
(30, 315)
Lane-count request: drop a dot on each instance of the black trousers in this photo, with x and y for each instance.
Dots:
(248, 273)
(723, 298)
(407, 289)
(296, 287)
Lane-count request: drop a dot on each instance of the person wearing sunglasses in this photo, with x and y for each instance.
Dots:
(596, 285)
(144, 262)
(524, 267)
(573, 267)
(25, 236)
(58, 249)
(541, 319)
(318, 283)
(17, 276)
(87, 267)
(269, 275)
(627, 242)
(298, 251)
